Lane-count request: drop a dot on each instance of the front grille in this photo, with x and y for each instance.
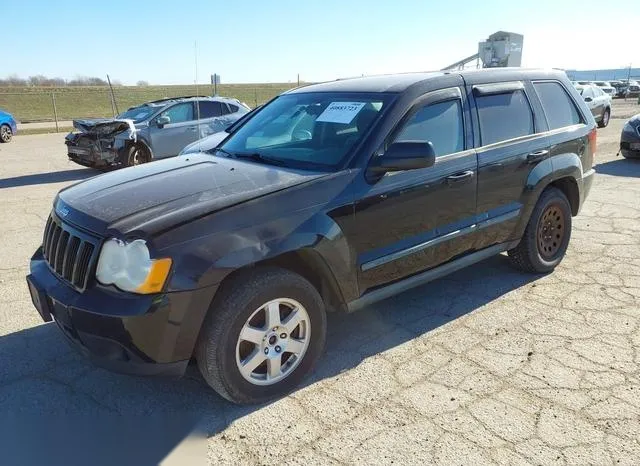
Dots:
(69, 253)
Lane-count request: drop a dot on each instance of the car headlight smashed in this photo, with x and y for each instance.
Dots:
(128, 265)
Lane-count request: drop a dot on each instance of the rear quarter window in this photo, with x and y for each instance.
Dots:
(504, 116)
(558, 107)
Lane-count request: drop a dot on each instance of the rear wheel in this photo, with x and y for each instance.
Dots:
(546, 236)
(604, 121)
(5, 133)
(264, 332)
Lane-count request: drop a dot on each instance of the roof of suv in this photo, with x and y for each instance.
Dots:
(397, 83)
(170, 100)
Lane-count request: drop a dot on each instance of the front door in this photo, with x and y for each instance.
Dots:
(412, 220)
(172, 137)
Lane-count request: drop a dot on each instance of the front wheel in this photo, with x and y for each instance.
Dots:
(604, 121)
(264, 332)
(546, 236)
(5, 133)
(136, 155)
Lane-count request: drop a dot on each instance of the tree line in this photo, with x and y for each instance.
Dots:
(44, 81)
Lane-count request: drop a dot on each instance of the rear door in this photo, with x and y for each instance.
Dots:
(213, 117)
(181, 130)
(510, 143)
(412, 220)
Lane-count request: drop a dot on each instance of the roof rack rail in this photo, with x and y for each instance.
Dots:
(166, 99)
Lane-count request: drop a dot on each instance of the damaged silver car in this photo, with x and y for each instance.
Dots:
(151, 131)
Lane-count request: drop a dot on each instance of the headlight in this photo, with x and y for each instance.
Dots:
(129, 267)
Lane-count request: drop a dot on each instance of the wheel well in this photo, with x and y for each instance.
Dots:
(569, 187)
(310, 265)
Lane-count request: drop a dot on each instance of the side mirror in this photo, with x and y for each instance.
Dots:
(162, 120)
(588, 99)
(407, 155)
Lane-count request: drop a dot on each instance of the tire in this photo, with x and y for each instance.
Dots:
(5, 133)
(537, 251)
(220, 351)
(137, 155)
(604, 121)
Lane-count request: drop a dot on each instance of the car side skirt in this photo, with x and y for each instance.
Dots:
(427, 276)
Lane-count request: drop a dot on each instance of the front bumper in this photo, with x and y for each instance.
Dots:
(95, 153)
(630, 141)
(122, 332)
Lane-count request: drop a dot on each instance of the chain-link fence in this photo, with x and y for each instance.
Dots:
(61, 104)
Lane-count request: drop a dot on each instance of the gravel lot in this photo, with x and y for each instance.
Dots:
(486, 366)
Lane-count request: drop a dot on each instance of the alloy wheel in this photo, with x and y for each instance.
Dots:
(273, 341)
(5, 133)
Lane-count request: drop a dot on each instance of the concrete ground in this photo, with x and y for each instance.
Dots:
(486, 366)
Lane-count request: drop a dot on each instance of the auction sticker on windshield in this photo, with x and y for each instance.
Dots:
(340, 112)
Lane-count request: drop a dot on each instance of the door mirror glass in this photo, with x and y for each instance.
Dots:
(406, 155)
(163, 120)
(588, 99)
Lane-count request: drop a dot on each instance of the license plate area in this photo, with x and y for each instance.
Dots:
(39, 299)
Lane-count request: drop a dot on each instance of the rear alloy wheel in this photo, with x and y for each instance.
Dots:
(604, 121)
(5, 133)
(265, 330)
(546, 237)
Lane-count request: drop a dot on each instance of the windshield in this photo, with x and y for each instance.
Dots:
(138, 114)
(308, 130)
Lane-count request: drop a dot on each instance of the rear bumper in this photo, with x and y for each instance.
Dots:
(122, 332)
(587, 182)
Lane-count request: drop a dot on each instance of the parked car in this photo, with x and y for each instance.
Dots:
(598, 102)
(633, 90)
(630, 138)
(606, 87)
(620, 87)
(8, 126)
(151, 131)
(331, 197)
(207, 143)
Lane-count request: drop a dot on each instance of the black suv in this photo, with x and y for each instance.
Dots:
(330, 197)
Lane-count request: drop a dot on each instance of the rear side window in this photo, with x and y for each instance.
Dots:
(210, 109)
(233, 108)
(558, 106)
(440, 123)
(504, 116)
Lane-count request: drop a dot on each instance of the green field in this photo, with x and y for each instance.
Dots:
(29, 104)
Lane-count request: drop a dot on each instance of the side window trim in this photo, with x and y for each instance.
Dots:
(430, 98)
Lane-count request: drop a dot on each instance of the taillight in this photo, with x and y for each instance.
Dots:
(593, 135)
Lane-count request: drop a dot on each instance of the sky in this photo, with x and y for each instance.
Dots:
(273, 41)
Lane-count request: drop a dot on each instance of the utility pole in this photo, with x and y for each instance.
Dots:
(298, 79)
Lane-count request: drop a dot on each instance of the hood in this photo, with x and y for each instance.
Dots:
(103, 126)
(152, 197)
(634, 120)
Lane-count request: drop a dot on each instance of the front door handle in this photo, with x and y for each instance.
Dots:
(536, 156)
(459, 178)
(192, 128)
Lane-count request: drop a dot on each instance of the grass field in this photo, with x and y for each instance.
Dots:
(29, 104)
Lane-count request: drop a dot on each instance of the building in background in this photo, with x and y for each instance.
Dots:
(603, 75)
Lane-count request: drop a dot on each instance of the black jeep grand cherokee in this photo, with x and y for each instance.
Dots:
(331, 196)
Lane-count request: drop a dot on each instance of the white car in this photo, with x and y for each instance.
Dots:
(606, 87)
(598, 102)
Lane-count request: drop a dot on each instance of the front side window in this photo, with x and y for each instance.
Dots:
(504, 116)
(439, 123)
(179, 113)
(308, 130)
(557, 105)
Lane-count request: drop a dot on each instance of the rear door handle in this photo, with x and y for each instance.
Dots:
(459, 177)
(536, 156)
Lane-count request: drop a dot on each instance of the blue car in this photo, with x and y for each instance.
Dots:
(8, 126)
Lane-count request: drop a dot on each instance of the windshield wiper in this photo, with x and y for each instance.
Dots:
(259, 158)
(218, 149)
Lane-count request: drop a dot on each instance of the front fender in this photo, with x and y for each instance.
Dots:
(208, 260)
(559, 166)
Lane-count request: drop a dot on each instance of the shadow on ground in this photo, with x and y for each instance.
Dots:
(47, 178)
(39, 373)
(620, 167)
